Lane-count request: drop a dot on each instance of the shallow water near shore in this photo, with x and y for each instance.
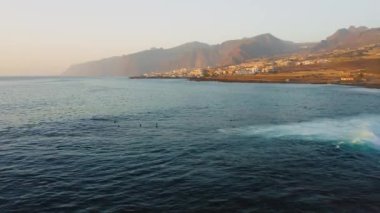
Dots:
(117, 144)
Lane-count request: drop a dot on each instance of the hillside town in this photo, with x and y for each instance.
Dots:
(278, 64)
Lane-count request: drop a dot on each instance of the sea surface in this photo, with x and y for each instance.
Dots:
(115, 144)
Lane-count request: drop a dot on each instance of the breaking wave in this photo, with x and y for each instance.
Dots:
(354, 130)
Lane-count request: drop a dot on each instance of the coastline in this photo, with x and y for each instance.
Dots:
(371, 86)
(283, 79)
(157, 77)
(337, 68)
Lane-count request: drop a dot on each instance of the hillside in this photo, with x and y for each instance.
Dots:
(190, 55)
(200, 55)
(351, 37)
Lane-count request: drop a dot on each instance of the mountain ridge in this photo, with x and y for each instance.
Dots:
(200, 55)
(189, 55)
(351, 37)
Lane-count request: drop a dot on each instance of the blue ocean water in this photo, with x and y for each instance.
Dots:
(115, 144)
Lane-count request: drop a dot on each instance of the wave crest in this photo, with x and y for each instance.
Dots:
(355, 130)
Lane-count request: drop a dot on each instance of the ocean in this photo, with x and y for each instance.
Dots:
(115, 144)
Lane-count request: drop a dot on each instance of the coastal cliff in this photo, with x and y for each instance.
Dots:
(190, 55)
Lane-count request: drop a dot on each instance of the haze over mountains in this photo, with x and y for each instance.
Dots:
(351, 37)
(200, 55)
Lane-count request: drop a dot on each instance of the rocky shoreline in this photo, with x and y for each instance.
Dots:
(367, 81)
(337, 82)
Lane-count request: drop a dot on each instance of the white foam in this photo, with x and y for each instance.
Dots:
(355, 130)
(365, 90)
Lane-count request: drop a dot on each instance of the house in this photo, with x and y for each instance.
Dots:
(268, 69)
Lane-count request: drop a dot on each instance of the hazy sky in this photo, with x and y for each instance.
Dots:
(43, 37)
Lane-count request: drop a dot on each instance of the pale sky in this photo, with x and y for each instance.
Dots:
(44, 37)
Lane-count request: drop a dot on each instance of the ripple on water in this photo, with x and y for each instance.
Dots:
(68, 145)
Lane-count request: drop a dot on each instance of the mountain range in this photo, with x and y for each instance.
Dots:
(352, 37)
(201, 55)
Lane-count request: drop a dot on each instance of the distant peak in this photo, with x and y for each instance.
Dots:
(194, 44)
(344, 32)
(357, 29)
(266, 36)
